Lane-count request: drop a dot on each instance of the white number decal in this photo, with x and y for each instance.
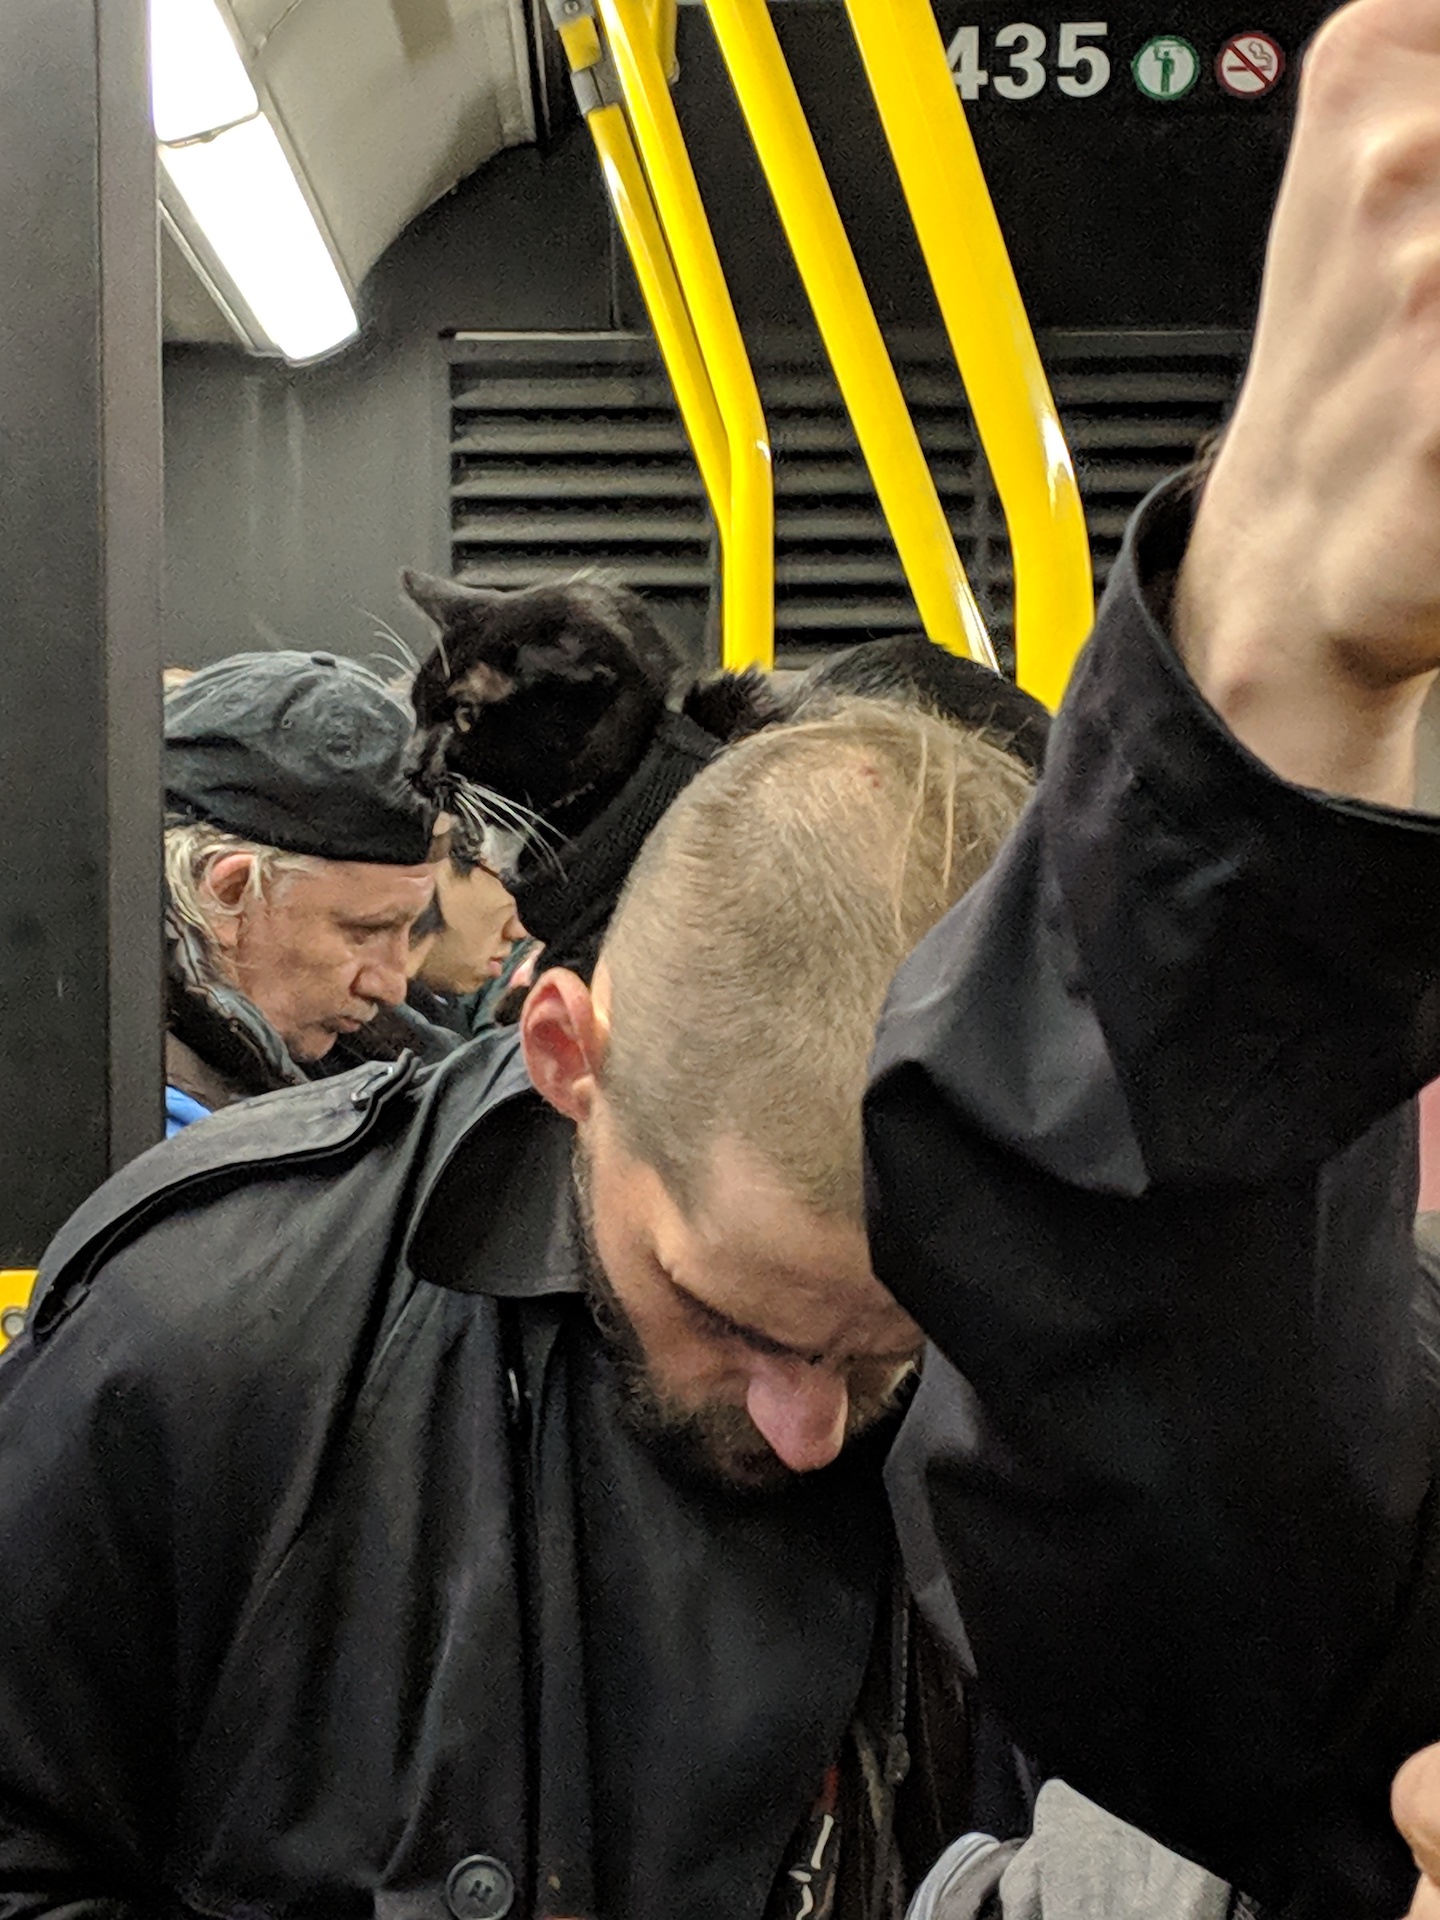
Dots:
(963, 54)
(1026, 76)
(1071, 54)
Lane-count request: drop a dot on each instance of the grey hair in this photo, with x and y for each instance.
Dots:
(192, 850)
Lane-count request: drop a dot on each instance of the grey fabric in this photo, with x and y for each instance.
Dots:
(1080, 1863)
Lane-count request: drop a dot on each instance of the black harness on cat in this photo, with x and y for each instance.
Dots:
(567, 901)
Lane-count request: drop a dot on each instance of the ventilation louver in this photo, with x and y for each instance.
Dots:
(566, 452)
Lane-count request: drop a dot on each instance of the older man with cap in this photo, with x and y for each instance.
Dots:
(296, 864)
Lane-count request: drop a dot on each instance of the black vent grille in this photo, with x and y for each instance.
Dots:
(566, 452)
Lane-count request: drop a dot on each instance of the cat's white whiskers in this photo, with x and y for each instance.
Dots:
(384, 631)
(400, 670)
(486, 812)
(530, 825)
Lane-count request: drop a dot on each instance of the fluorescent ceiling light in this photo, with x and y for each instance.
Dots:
(243, 195)
(225, 163)
(198, 81)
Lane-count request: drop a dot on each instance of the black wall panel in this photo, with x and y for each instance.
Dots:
(1119, 210)
(79, 581)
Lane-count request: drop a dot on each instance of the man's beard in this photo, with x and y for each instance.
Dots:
(715, 1444)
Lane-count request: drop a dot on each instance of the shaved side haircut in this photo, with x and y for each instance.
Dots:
(762, 924)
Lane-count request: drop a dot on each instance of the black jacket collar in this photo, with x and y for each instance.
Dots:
(496, 1213)
(471, 1174)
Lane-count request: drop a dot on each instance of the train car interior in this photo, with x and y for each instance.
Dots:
(808, 323)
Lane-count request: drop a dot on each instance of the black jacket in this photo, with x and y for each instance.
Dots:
(1143, 1164)
(335, 1584)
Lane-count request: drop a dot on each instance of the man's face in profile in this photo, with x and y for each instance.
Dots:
(757, 1338)
(326, 948)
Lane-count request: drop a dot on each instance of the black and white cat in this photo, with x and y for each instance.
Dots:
(540, 707)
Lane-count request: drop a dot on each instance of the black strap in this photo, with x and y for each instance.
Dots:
(887, 1885)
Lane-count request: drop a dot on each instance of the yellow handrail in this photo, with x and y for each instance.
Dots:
(989, 330)
(748, 533)
(16, 1286)
(665, 304)
(640, 229)
(665, 26)
(847, 323)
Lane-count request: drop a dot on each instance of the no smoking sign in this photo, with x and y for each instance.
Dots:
(1249, 64)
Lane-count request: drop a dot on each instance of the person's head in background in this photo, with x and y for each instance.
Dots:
(715, 1068)
(464, 937)
(295, 853)
(912, 670)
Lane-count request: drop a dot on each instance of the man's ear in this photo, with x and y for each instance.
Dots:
(563, 1035)
(226, 882)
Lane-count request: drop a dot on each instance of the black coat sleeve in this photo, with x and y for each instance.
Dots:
(86, 1684)
(1141, 1163)
(153, 1451)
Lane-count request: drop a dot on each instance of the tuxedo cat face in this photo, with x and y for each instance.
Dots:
(545, 697)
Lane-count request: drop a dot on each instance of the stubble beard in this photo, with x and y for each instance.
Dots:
(715, 1444)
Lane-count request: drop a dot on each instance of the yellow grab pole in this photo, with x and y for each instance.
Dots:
(989, 331)
(748, 535)
(903, 481)
(664, 25)
(16, 1285)
(665, 304)
(654, 268)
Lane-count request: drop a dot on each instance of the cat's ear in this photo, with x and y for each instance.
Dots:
(443, 599)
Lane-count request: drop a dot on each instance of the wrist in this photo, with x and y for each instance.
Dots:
(1307, 703)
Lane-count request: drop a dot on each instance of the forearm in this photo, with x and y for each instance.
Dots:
(1107, 1096)
(1316, 715)
(1308, 609)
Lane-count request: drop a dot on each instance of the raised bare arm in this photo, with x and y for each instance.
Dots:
(1309, 604)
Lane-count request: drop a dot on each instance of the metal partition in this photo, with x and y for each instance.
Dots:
(80, 897)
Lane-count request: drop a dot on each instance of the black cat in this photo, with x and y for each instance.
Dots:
(543, 722)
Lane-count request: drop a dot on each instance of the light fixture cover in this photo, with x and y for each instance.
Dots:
(198, 81)
(225, 163)
(242, 193)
